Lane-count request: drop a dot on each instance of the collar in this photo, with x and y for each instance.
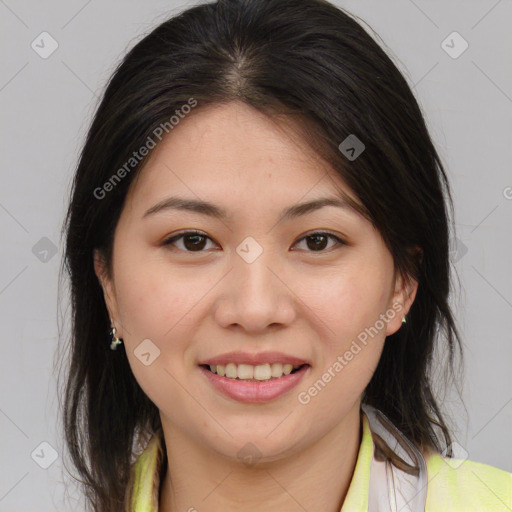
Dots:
(147, 474)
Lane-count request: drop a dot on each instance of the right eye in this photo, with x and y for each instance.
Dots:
(193, 241)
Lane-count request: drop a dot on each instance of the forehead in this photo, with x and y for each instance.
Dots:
(234, 155)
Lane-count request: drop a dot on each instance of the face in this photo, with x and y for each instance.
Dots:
(315, 287)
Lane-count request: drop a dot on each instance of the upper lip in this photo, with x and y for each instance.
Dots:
(254, 359)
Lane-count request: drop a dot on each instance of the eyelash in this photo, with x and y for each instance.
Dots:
(169, 241)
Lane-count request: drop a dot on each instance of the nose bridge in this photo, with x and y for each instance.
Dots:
(257, 296)
(252, 267)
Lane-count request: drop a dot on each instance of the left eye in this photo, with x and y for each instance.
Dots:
(318, 240)
(194, 241)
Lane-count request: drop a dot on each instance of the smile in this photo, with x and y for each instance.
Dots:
(254, 384)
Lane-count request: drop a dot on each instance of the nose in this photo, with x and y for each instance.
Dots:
(256, 295)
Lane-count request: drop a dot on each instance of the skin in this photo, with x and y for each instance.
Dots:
(295, 298)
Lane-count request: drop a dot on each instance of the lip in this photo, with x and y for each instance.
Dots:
(252, 391)
(254, 359)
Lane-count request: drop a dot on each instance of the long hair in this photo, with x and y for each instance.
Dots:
(312, 62)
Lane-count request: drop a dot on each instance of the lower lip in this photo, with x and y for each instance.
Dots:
(255, 392)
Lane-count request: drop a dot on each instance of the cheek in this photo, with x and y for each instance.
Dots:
(157, 310)
(348, 305)
(348, 360)
(159, 303)
(153, 297)
(346, 301)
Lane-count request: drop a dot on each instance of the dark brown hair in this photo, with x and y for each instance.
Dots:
(313, 63)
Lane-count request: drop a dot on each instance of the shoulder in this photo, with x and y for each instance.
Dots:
(465, 485)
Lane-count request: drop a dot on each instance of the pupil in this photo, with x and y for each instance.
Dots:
(316, 239)
(195, 244)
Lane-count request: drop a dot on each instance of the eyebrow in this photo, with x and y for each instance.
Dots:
(212, 210)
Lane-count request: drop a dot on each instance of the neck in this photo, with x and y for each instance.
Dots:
(316, 478)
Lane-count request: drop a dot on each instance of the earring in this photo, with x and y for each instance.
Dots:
(404, 319)
(114, 340)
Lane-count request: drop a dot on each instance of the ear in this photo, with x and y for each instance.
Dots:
(403, 297)
(107, 285)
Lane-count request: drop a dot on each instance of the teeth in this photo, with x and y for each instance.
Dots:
(245, 371)
(287, 368)
(249, 372)
(262, 372)
(231, 371)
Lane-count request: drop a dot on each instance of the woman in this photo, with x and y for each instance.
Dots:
(260, 218)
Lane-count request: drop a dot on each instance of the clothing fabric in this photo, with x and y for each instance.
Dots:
(453, 485)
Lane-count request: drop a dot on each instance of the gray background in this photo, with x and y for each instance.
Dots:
(47, 105)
